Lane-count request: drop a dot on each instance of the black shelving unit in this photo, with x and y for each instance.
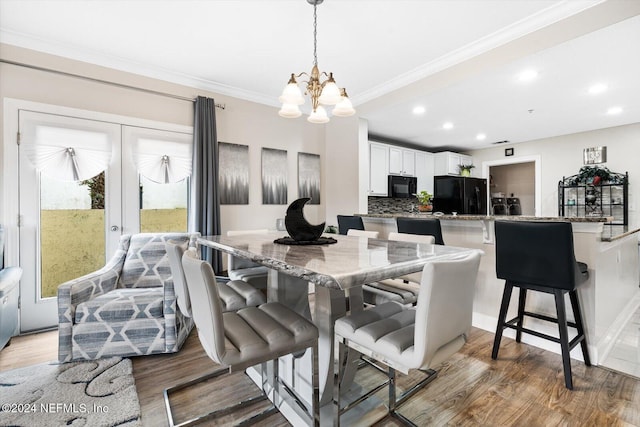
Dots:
(576, 199)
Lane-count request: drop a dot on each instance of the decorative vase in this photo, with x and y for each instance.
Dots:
(425, 208)
(465, 172)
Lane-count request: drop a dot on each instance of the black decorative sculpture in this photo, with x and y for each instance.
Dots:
(299, 229)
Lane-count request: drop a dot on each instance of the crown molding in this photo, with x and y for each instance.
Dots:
(26, 41)
(503, 36)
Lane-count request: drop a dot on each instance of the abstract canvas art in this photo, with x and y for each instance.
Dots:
(233, 174)
(274, 176)
(309, 177)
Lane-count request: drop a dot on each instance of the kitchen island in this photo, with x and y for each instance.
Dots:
(608, 299)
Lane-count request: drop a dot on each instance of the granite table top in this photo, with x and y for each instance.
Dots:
(352, 261)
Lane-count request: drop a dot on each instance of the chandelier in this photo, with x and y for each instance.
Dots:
(321, 92)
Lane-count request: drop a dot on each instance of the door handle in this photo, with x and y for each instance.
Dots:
(114, 228)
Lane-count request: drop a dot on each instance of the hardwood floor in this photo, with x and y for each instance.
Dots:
(524, 387)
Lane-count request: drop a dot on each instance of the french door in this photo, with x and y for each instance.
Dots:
(82, 184)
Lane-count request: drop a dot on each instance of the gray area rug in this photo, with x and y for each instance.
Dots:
(89, 393)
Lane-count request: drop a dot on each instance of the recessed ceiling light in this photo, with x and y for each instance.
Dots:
(527, 75)
(614, 110)
(447, 125)
(598, 88)
(419, 110)
(481, 137)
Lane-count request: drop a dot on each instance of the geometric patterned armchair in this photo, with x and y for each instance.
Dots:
(127, 308)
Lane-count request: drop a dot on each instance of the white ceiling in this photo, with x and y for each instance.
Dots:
(459, 59)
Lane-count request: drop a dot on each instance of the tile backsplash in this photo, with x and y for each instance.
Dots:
(380, 205)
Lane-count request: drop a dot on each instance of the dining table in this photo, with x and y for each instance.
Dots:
(331, 276)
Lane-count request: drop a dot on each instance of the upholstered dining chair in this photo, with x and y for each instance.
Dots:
(423, 226)
(420, 338)
(250, 336)
(243, 269)
(234, 294)
(403, 289)
(363, 233)
(127, 308)
(349, 222)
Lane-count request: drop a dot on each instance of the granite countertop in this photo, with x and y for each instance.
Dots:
(609, 234)
(447, 217)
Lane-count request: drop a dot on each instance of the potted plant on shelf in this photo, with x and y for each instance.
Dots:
(465, 170)
(595, 175)
(424, 197)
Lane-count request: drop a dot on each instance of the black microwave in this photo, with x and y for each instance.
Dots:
(402, 186)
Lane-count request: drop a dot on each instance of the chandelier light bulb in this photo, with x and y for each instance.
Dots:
(290, 111)
(292, 93)
(330, 92)
(319, 116)
(344, 108)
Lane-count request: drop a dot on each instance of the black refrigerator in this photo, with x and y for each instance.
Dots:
(460, 194)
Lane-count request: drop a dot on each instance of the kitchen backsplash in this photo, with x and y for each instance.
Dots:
(380, 205)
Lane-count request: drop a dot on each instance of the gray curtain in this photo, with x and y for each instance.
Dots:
(205, 198)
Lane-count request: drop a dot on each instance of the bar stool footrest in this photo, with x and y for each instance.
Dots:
(512, 325)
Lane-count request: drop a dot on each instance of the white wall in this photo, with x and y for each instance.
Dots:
(562, 156)
(241, 122)
(346, 167)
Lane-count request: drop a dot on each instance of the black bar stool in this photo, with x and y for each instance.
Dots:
(539, 256)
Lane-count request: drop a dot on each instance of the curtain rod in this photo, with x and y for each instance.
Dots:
(93, 79)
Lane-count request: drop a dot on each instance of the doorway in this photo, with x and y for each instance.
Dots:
(517, 175)
(80, 182)
(514, 182)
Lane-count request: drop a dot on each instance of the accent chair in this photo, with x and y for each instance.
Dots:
(127, 308)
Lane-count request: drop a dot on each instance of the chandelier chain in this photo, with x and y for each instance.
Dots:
(315, 35)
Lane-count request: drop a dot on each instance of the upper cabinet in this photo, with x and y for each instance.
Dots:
(424, 171)
(378, 169)
(385, 160)
(402, 161)
(447, 162)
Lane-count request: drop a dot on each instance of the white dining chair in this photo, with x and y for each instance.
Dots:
(411, 338)
(237, 340)
(363, 233)
(403, 289)
(243, 269)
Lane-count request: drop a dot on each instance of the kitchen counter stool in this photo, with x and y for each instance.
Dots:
(539, 256)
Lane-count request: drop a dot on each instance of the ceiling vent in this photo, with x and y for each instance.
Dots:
(500, 142)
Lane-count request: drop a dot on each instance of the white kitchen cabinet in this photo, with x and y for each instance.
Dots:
(378, 169)
(409, 162)
(402, 161)
(424, 171)
(446, 163)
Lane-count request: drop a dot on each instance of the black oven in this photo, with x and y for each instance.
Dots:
(402, 186)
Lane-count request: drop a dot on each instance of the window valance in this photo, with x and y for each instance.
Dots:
(67, 154)
(162, 161)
